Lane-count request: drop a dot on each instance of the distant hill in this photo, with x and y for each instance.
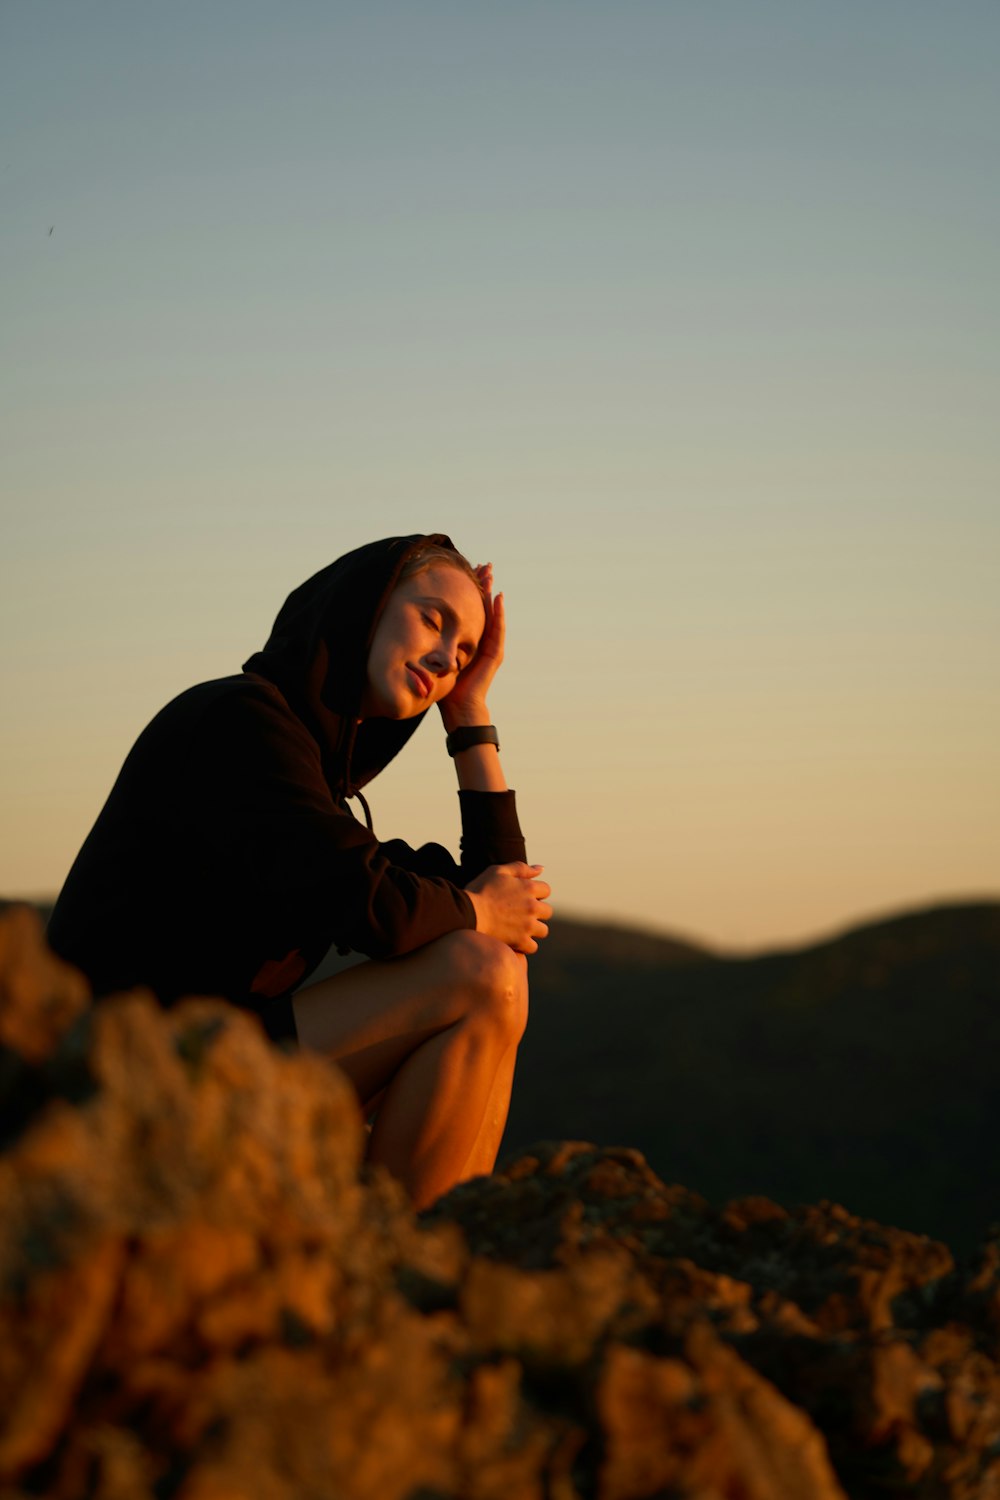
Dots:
(861, 1069)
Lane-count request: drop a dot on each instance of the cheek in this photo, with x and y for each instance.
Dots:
(387, 638)
(378, 656)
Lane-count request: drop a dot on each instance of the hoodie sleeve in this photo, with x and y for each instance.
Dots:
(429, 859)
(491, 835)
(268, 807)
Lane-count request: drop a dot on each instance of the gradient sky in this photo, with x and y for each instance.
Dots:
(684, 314)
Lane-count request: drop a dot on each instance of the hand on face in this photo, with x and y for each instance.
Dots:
(466, 703)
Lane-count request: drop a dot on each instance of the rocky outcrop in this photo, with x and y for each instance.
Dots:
(205, 1294)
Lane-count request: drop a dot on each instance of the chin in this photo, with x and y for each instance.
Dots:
(404, 710)
(414, 710)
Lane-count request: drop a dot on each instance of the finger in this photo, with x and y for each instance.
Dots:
(500, 616)
(493, 637)
(541, 889)
(520, 869)
(540, 931)
(486, 647)
(544, 911)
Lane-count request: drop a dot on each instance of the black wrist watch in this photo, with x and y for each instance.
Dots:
(471, 734)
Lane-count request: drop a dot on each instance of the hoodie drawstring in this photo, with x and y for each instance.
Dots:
(360, 796)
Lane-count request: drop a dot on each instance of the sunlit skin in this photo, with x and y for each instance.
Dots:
(429, 631)
(429, 1040)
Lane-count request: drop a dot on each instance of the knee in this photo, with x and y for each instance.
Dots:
(494, 981)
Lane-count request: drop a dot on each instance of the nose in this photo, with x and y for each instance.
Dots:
(440, 660)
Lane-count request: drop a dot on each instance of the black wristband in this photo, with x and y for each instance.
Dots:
(471, 734)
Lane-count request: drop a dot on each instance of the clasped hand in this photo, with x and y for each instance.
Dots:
(512, 904)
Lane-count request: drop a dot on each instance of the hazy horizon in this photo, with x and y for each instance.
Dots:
(686, 317)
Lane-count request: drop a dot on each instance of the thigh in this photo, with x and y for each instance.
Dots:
(369, 1018)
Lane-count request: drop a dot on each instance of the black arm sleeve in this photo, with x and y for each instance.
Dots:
(491, 833)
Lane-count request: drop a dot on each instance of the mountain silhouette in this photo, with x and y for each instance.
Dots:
(860, 1069)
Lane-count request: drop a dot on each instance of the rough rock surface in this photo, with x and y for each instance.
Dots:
(205, 1295)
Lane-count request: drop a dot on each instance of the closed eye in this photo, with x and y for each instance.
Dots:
(437, 617)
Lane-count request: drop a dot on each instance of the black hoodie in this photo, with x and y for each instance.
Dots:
(226, 860)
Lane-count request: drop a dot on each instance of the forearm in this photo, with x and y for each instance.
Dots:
(478, 767)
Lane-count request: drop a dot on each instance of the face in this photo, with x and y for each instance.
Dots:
(428, 632)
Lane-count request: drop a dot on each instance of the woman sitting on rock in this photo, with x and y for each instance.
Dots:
(226, 860)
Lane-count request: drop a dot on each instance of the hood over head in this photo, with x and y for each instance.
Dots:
(317, 655)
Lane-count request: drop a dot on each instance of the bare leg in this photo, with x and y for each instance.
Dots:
(484, 1153)
(446, 1086)
(487, 1147)
(438, 1032)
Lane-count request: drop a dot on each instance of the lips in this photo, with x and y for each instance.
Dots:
(421, 680)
